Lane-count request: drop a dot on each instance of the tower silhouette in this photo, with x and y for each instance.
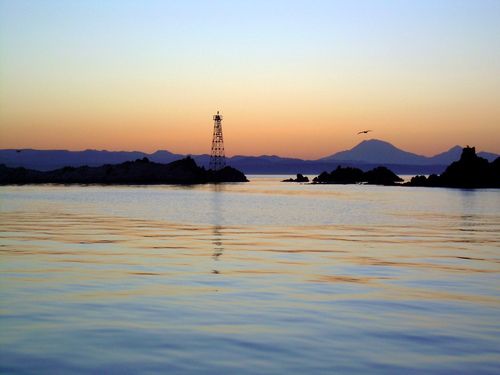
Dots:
(217, 157)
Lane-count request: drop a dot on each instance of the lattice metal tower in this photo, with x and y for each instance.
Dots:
(217, 158)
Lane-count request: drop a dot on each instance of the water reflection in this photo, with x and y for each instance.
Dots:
(130, 284)
(218, 249)
(217, 212)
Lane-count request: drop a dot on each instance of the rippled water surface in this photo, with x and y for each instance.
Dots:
(256, 278)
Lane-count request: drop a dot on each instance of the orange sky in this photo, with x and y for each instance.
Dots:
(120, 76)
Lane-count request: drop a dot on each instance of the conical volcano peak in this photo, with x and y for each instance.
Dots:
(377, 151)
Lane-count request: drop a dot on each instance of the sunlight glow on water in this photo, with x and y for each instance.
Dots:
(261, 277)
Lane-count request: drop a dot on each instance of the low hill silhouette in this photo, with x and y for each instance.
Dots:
(349, 175)
(471, 171)
(140, 171)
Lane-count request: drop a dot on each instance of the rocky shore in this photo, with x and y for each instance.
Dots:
(349, 175)
(140, 172)
(471, 171)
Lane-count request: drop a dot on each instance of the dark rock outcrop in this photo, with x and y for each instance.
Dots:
(349, 175)
(341, 175)
(381, 176)
(140, 171)
(471, 171)
(300, 178)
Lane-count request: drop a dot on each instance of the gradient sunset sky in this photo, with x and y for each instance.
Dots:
(293, 78)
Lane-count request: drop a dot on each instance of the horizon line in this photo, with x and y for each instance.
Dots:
(230, 156)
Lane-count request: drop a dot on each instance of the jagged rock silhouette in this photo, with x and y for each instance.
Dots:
(470, 171)
(141, 171)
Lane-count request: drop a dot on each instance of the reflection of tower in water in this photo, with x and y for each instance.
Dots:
(217, 245)
(217, 229)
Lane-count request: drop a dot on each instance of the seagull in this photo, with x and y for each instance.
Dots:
(364, 131)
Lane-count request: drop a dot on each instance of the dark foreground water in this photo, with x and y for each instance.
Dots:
(257, 278)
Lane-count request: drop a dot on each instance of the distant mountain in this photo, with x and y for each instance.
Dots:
(366, 155)
(490, 156)
(454, 153)
(163, 156)
(44, 160)
(447, 157)
(376, 151)
(381, 152)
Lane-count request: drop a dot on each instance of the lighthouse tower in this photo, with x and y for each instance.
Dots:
(217, 157)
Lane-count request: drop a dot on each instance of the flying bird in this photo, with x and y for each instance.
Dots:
(364, 131)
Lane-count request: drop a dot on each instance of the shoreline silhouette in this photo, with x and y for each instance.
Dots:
(366, 155)
(141, 172)
(469, 172)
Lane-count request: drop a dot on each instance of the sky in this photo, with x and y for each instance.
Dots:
(291, 78)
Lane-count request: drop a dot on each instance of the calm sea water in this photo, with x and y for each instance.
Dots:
(256, 278)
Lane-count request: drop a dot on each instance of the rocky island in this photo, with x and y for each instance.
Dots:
(140, 172)
(300, 178)
(349, 175)
(469, 172)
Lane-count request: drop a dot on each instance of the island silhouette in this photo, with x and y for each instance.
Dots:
(470, 171)
(140, 172)
(300, 178)
(350, 175)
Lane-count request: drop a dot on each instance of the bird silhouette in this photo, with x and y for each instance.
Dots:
(364, 131)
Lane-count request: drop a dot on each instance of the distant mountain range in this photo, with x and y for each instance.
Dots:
(381, 152)
(366, 155)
